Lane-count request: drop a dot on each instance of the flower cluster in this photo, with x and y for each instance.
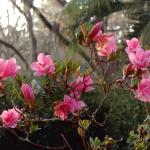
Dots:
(139, 57)
(140, 61)
(80, 85)
(105, 43)
(9, 68)
(68, 105)
(72, 102)
(45, 66)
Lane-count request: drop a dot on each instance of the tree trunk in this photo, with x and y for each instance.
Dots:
(31, 31)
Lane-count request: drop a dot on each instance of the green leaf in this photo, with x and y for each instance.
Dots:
(33, 128)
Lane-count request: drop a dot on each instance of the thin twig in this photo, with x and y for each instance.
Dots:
(35, 144)
(66, 142)
(15, 50)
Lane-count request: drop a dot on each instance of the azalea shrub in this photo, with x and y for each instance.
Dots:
(74, 102)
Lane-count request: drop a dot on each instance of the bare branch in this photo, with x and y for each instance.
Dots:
(65, 140)
(27, 140)
(20, 10)
(15, 50)
(28, 16)
(48, 24)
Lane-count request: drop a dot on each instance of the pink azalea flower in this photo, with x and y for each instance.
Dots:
(28, 93)
(69, 105)
(82, 84)
(74, 105)
(61, 110)
(44, 65)
(143, 91)
(133, 45)
(79, 105)
(141, 58)
(8, 68)
(106, 45)
(11, 117)
(71, 102)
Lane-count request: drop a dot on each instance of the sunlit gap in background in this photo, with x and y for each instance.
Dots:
(68, 0)
(10, 16)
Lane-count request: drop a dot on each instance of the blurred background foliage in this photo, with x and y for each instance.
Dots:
(130, 17)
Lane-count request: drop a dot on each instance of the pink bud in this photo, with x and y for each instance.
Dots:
(94, 31)
(28, 93)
